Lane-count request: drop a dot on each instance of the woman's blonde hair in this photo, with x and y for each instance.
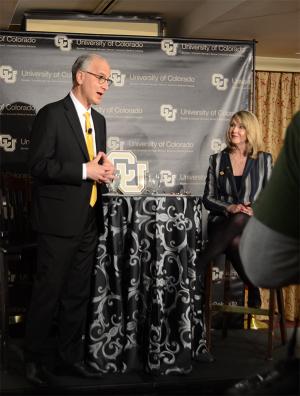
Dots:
(254, 142)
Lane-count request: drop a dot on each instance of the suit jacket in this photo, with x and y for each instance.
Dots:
(220, 187)
(57, 152)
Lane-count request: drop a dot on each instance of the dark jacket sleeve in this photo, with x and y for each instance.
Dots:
(211, 196)
(47, 159)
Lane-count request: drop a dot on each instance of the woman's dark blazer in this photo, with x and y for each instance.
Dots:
(220, 188)
(57, 152)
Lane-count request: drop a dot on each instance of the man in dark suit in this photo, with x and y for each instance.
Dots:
(68, 164)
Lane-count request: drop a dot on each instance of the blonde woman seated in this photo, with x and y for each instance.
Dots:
(235, 178)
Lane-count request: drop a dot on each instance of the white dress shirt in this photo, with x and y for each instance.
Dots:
(81, 110)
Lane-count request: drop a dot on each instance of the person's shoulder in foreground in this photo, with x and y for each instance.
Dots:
(278, 206)
(270, 254)
(274, 231)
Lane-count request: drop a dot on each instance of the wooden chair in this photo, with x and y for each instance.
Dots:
(226, 309)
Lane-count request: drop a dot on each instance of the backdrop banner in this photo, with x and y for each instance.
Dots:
(168, 108)
(166, 112)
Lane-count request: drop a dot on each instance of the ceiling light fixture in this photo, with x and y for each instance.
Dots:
(72, 22)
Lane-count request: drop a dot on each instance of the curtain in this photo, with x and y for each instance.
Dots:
(277, 98)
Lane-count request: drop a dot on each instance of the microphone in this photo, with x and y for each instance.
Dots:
(89, 131)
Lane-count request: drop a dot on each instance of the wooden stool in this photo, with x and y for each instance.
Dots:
(225, 308)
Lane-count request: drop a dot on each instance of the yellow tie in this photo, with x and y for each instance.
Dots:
(90, 147)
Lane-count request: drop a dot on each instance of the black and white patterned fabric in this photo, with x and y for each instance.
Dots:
(147, 307)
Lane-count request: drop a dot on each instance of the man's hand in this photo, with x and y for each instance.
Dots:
(100, 169)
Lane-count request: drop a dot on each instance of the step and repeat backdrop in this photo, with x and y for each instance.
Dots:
(166, 112)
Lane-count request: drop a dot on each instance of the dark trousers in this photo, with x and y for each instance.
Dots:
(61, 294)
(224, 236)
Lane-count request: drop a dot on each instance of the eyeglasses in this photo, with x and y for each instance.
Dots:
(100, 78)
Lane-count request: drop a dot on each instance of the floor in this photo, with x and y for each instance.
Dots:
(241, 354)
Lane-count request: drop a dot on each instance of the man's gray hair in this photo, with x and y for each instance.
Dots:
(82, 63)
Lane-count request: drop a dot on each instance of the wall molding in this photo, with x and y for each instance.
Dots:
(277, 64)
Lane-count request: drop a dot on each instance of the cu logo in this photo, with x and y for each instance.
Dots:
(8, 143)
(168, 112)
(168, 178)
(8, 74)
(132, 171)
(169, 47)
(217, 145)
(114, 143)
(118, 78)
(63, 43)
(219, 82)
(217, 274)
